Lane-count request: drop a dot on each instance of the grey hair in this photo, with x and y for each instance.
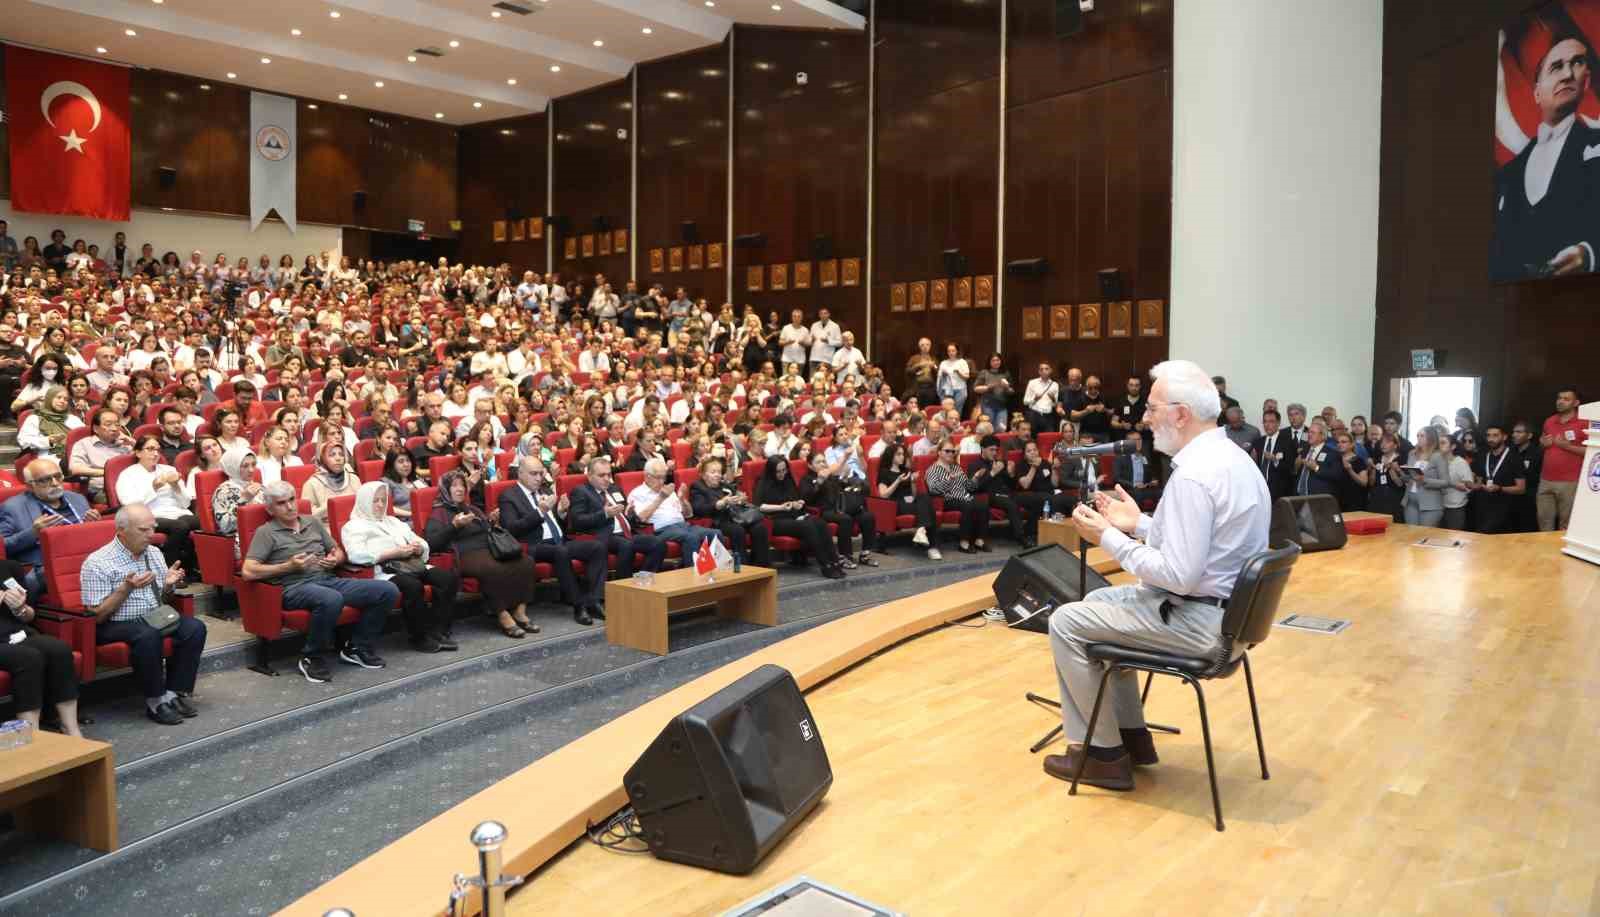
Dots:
(596, 462)
(656, 468)
(1190, 386)
(1295, 406)
(125, 514)
(277, 490)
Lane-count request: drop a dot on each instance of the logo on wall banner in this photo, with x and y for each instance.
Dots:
(68, 122)
(272, 158)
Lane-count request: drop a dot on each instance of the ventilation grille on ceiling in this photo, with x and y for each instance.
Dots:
(430, 51)
(517, 8)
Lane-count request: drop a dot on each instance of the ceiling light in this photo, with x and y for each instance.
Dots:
(711, 2)
(99, 50)
(511, 82)
(206, 86)
(411, 58)
(495, 13)
(648, 31)
(333, 14)
(438, 114)
(158, 2)
(599, 44)
(378, 83)
(266, 60)
(555, 68)
(343, 96)
(312, 106)
(505, 131)
(454, 43)
(776, 8)
(477, 104)
(295, 32)
(232, 75)
(130, 33)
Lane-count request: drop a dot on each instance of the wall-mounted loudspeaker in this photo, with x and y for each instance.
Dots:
(955, 263)
(821, 247)
(1069, 18)
(358, 200)
(166, 177)
(1028, 267)
(1111, 289)
(557, 224)
(691, 232)
(728, 778)
(750, 240)
(602, 224)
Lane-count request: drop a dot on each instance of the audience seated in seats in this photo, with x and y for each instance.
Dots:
(89, 456)
(717, 497)
(275, 454)
(1033, 478)
(332, 479)
(373, 538)
(532, 513)
(239, 489)
(437, 445)
(400, 475)
(778, 495)
(41, 667)
(838, 496)
(160, 488)
(508, 585)
(46, 502)
(174, 440)
(598, 507)
(123, 583)
(656, 503)
(45, 431)
(945, 479)
(297, 553)
(897, 481)
(990, 476)
(1135, 473)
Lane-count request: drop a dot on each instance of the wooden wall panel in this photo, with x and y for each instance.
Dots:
(203, 134)
(594, 172)
(1436, 222)
(683, 164)
(502, 177)
(801, 161)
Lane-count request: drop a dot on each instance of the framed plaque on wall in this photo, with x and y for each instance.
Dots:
(780, 277)
(588, 245)
(1032, 323)
(714, 255)
(604, 242)
(697, 257)
(1151, 318)
(963, 292)
(499, 230)
(918, 293)
(983, 292)
(570, 249)
(754, 277)
(536, 227)
(802, 275)
(1119, 319)
(658, 260)
(1089, 321)
(850, 272)
(828, 273)
(619, 241)
(939, 294)
(897, 297)
(675, 258)
(1060, 323)
(517, 231)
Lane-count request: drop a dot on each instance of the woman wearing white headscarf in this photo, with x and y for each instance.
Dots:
(240, 489)
(396, 553)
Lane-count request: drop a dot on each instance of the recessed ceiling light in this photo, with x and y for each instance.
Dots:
(99, 50)
(295, 32)
(555, 68)
(438, 114)
(232, 75)
(477, 104)
(206, 86)
(378, 83)
(454, 43)
(495, 14)
(505, 131)
(648, 31)
(599, 44)
(130, 33)
(711, 2)
(776, 8)
(511, 82)
(411, 58)
(343, 96)
(266, 60)
(333, 14)
(158, 2)
(312, 106)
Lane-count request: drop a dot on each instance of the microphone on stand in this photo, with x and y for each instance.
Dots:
(1120, 447)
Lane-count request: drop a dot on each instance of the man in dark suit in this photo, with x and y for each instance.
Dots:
(1546, 198)
(530, 511)
(1274, 452)
(598, 507)
(1137, 474)
(1319, 468)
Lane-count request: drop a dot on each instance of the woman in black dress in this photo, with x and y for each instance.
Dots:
(1388, 485)
(778, 496)
(507, 585)
(825, 491)
(897, 481)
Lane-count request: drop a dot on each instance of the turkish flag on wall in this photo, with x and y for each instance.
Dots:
(69, 135)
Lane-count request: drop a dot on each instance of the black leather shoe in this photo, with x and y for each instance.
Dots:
(1141, 746)
(582, 617)
(1029, 543)
(446, 644)
(185, 708)
(596, 612)
(983, 546)
(165, 714)
(1107, 775)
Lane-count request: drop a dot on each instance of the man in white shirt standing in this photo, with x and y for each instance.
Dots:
(795, 337)
(826, 337)
(1212, 518)
(1039, 400)
(848, 359)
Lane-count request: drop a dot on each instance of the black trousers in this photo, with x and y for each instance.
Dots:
(972, 516)
(1007, 504)
(560, 555)
(41, 671)
(651, 548)
(1497, 513)
(423, 619)
(753, 541)
(811, 530)
(157, 675)
(921, 506)
(1042, 423)
(849, 525)
(179, 547)
(1032, 504)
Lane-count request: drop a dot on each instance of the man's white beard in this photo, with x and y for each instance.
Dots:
(1166, 439)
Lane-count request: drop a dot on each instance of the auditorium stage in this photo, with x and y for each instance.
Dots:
(1436, 757)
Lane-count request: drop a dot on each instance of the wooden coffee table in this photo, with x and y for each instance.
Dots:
(62, 787)
(636, 615)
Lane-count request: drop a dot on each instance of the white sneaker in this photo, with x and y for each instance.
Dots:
(920, 538)
(933, 554)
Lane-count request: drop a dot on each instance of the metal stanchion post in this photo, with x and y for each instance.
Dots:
(488, 837)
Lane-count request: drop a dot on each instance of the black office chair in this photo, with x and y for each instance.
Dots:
(1248, 620)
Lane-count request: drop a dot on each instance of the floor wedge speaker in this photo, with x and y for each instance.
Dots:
(1036, 582)
(728, 778)
(1314, 523)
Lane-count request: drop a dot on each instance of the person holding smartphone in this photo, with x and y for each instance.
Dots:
(897, 482)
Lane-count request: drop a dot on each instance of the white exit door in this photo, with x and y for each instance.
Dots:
(1426, 399)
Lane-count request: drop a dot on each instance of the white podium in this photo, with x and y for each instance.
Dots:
(1583, 533)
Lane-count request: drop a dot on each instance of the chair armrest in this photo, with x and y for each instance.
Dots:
(218, 566)
(883, 513)
(261, 608)
(74, 628)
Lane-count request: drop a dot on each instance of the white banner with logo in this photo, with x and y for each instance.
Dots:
(272, 158)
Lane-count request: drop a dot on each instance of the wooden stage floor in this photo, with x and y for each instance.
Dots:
(1438, 757)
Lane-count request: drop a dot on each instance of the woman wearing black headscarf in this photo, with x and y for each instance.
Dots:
(778, 496)
(507, 585)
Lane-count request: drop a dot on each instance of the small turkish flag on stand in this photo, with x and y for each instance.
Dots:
(69, 135)
(704, 561)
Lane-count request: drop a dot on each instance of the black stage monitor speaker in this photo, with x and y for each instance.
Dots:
(1314, 523)
(1028, 267)
(750, 240)
(1036, 582)
(358, 200)
(731, 776)
(691, 232)
(955, 263)
(1069, 18)
(1110, 285)
(167, 177)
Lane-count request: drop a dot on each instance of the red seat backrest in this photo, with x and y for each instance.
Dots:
(370, 470)
(440, 465)
(73, 436)
(628, 480)
(308, 452)
(298, 475)
(622, 455)
(205, 487)
(146, 429)
(493, 490)
(422, 507)
(114, 468)
(254, 515)
(186, 462)
(687, 477)
(564, 457)
(152, 414)
(565, 483)
(919, 466)
(65, 547)
(364, 449)
(339, 511)
(680, 453)
(1047, 441)
(749, 474)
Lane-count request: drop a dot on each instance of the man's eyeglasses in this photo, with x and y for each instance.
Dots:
(56, 478)
(1150, 407)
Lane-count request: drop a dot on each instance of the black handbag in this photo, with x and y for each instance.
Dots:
(503, 545)
(746, 515)
(852, 499)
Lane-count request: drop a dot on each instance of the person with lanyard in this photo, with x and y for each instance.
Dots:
(1505, 481)
(45, 503)
(532, 513)
(1388, 480)
(1213, 517)
(122, 584)
(398, 555)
